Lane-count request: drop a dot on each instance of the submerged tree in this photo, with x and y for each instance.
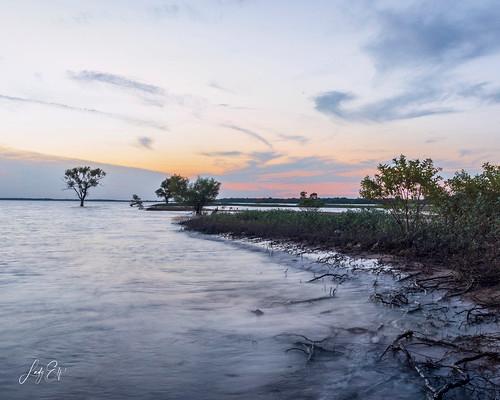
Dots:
(81, 179)
(172, 187)
(403, 187)
(136, 202)
(201, 192)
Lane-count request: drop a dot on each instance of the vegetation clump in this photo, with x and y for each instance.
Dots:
(311, 203)
(195, 194)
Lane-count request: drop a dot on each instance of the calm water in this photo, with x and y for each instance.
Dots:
(134, 308)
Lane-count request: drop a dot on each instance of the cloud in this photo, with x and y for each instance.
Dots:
(434, 139)
(270, 173)
(222, 153)
(116, 80)
(294, 138)
(407, 105)
(150, 94)
(146, 142)
(428, 33)
(130, 120)
(249, 133)
(482, 92)
(215, 85)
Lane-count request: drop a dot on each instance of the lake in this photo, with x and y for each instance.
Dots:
(132, 307)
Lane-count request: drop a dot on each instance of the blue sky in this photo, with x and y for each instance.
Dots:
(271, 97)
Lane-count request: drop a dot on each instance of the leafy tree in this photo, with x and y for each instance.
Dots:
(174, 186)
(81, 179)
(484, 186)
(472, 203)
(178, 186)
(404, 187)
(136, 202)
(311, 203)
(201, 192)
(163, 191)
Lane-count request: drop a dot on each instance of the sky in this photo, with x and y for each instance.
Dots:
(270, 97)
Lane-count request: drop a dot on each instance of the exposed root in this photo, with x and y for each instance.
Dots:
(311, 347)
(335, 277)
(448, 368)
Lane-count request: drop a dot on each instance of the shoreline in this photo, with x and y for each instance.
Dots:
(473, 347)
(369, 234)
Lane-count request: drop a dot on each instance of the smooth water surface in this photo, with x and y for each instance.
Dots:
(134, 308)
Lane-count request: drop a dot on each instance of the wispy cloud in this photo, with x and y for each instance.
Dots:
(482, 91)
(435, 139)
(150, 94)
(145, 142)
(407, 105)
(294, 138)
(249, 133)
(215, 85)
(124, 118)
(222, 153)
(115, 80)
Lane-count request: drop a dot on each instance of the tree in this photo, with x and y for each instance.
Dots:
(173, 186)
(178, 186)
(81, 179)
(311, 203)
(472, 200)
(163, 191)
(403, 187)
(201, 192)
(136, 202)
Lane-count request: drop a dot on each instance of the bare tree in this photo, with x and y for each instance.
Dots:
(81, 179)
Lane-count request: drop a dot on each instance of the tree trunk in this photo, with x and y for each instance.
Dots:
(81, 202)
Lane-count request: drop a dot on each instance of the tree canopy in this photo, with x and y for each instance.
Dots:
(172, 187)
(201, 192)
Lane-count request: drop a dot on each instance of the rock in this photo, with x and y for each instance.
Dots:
(258, 312)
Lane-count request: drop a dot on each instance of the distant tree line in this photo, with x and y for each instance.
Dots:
(291, 200)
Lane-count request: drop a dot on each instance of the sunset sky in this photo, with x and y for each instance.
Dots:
(271, 97)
